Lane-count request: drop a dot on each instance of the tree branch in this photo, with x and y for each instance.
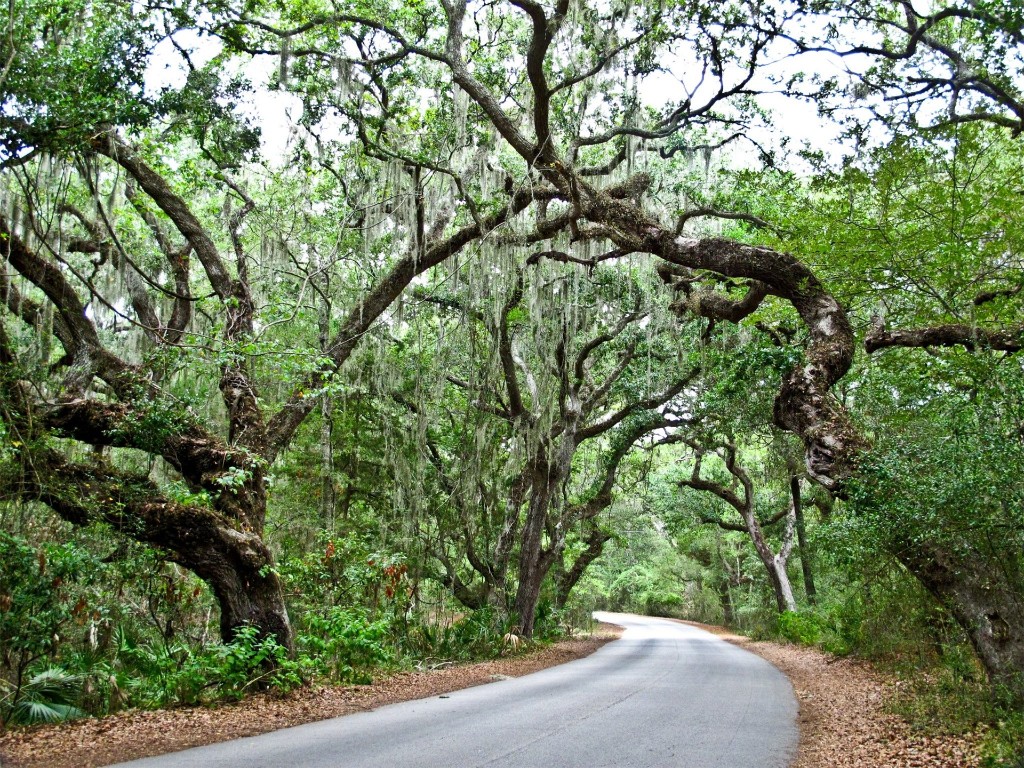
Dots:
(953, 335)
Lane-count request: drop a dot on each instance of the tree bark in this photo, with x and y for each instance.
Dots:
(801, 538)
(236, 564)
(804, 405)
(967, 336)
(985, 600)
(567, 579)
(532, 568)
(783, 588)
(774, 564)
(327, 495)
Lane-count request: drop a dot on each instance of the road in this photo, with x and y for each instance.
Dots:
(665, 694)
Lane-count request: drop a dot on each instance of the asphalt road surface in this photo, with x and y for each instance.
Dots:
(665, 694)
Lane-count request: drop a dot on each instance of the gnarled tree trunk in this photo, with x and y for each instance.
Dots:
(986, 602)
(236, 564)
(533, 562)
(566, 579)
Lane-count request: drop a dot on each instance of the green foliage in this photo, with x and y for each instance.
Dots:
(234, 479)
(647, 570)
(645, 590)
(345, 571)
(344, 646)
(424, 450)
(252, 661)
(150, 422)
(177, 674)
(1004, 743)
(47, 696)
(478, 635)
(37, 585)
(802, 628)
(74, 65)
(70, 643)
(206, 109)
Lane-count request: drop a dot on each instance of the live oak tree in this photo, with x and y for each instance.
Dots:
(220, 541)
(740, 493)
(540, 369)
(477, 152)
(934, 224)
(949, 68)
(131, 240)
(550, 132)
(549, 123)
(104, 240)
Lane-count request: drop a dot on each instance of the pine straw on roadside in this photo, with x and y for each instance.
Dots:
(843, 718)
(129, 735)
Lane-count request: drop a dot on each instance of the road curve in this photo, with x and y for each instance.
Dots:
(665, 694)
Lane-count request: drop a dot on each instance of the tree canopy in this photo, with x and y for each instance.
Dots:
(455, 276)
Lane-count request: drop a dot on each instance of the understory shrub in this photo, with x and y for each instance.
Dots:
(480, 634)
(47, 696)
(180, 675)
(344, 645)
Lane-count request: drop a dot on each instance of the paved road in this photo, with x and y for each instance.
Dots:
(665, 694)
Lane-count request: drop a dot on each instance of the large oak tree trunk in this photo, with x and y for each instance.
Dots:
(240, 570)
(985, 600)
(236, 564)
(531, 561)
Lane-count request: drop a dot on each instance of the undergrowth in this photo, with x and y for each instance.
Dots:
(76, 643)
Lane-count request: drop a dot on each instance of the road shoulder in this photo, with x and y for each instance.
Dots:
(844, 721)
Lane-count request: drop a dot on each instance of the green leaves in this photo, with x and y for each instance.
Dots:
(46, 697)
(35, 589)
(206, 109)
(75, 65)
(345, 646)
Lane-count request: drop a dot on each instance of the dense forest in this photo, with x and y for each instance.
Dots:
(337, 334)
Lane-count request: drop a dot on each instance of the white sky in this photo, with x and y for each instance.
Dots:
(277, 112)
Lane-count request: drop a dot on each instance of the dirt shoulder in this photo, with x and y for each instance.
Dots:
(843, 718)
(129, 735)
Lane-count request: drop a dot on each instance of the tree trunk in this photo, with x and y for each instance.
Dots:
(525, 606)
(566, 580)
(774, 564)
(327, 496)
(801, 538)
(725, 596)
(781, 585)
(236, 563)
(984, 598)
(531, 568)
(248, 590)
(732, 578)
(534, 561)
